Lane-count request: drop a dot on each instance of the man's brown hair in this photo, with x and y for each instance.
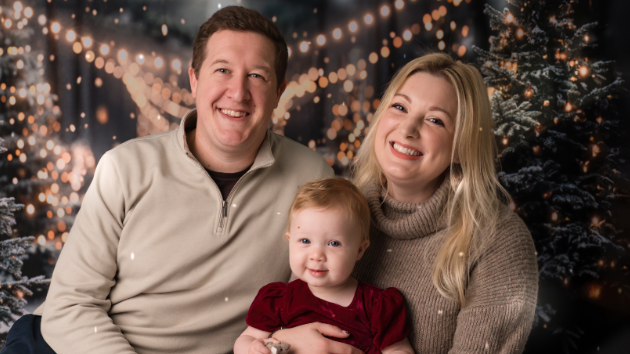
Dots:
(238, 18)
(334, 193)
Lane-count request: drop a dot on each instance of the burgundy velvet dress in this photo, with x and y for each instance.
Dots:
(375, 318)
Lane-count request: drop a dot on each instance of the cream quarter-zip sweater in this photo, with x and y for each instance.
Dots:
(503, 279)
(156, 263)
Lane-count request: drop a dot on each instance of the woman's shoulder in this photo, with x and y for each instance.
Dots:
(510, 226)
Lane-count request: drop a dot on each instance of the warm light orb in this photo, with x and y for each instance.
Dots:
(399, 4)
(140, 59)
(8, 23)
(509, 18)
(71, 36)
(407, 35)
(321, 39)
(30, 209)
(17, 6)
(158, 62)
(385, 10)
(520, 33)
(337, 33)
(368, 19)
(122, 55)
(353, 26)
(176, 64)
(554, 216)
(41, 19)
(584, 71)
(104, 49)
(164, 29)
(303, 46)
(55, 27)
(28, 12)
(568, 107)
(87, 42)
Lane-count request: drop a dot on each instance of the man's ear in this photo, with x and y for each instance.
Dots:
(364, 245)
(280, 91)
(193, 81)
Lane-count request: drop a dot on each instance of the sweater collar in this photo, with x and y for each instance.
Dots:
(264, 157)
(407, 221)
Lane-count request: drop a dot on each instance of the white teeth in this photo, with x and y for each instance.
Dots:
(233, 113)
(405, 151)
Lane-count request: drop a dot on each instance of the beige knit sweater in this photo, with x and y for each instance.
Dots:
(501, 293)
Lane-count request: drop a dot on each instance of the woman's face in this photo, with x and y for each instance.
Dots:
(414, 138)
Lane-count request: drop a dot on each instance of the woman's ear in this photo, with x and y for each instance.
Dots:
(364, 245)
(287, 235)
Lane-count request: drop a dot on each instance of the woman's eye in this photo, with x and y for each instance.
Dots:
(334, 243)
(222, 71)
(398, 107)
(436, 121)
(305, 241)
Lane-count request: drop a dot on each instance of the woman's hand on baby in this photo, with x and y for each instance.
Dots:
(258, 346)
(309, 339)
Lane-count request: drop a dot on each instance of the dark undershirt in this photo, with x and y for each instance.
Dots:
(226, 181)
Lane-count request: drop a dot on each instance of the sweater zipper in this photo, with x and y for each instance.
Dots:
(228, 200)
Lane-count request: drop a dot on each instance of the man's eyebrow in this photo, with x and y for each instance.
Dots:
(260, 67)
(219, 61)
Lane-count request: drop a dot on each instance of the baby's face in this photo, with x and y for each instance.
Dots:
(324, 245)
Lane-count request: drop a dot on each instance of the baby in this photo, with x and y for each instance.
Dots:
(328, 232)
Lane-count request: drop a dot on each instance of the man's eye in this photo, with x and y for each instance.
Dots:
(258, 76)
(334, 243)
(305, 241)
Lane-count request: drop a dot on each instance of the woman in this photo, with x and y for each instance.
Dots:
(441, 232)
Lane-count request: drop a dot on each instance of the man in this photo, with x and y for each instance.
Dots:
(179, 230)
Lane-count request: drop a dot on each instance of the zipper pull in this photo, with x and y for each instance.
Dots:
(224, 211)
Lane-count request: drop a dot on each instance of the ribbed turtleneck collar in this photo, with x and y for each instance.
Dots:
(402, 220)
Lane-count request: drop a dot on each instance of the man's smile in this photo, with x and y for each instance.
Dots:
(233, 113)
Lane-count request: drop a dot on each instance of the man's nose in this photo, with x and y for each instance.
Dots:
(238, 89)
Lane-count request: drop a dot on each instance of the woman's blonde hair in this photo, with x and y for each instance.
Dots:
(475, 195)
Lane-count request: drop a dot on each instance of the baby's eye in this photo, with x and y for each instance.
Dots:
(334, 243)
(305, 241)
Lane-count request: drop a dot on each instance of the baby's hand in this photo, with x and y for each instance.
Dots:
(258, 346)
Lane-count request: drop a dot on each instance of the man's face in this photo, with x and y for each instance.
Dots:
(235, 91)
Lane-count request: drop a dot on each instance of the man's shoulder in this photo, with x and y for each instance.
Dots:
(146, 146)
(294, 152)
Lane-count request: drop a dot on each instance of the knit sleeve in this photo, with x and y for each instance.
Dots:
(389, 319)
(264, 313)
(501, 294)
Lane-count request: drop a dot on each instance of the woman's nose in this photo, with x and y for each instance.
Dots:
(410, 127)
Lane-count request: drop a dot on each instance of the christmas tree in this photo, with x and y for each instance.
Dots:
(13, 286)
(38, 169)
(557, 129)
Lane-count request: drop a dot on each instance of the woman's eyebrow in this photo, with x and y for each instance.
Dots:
(435, 108)
(403, 96)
